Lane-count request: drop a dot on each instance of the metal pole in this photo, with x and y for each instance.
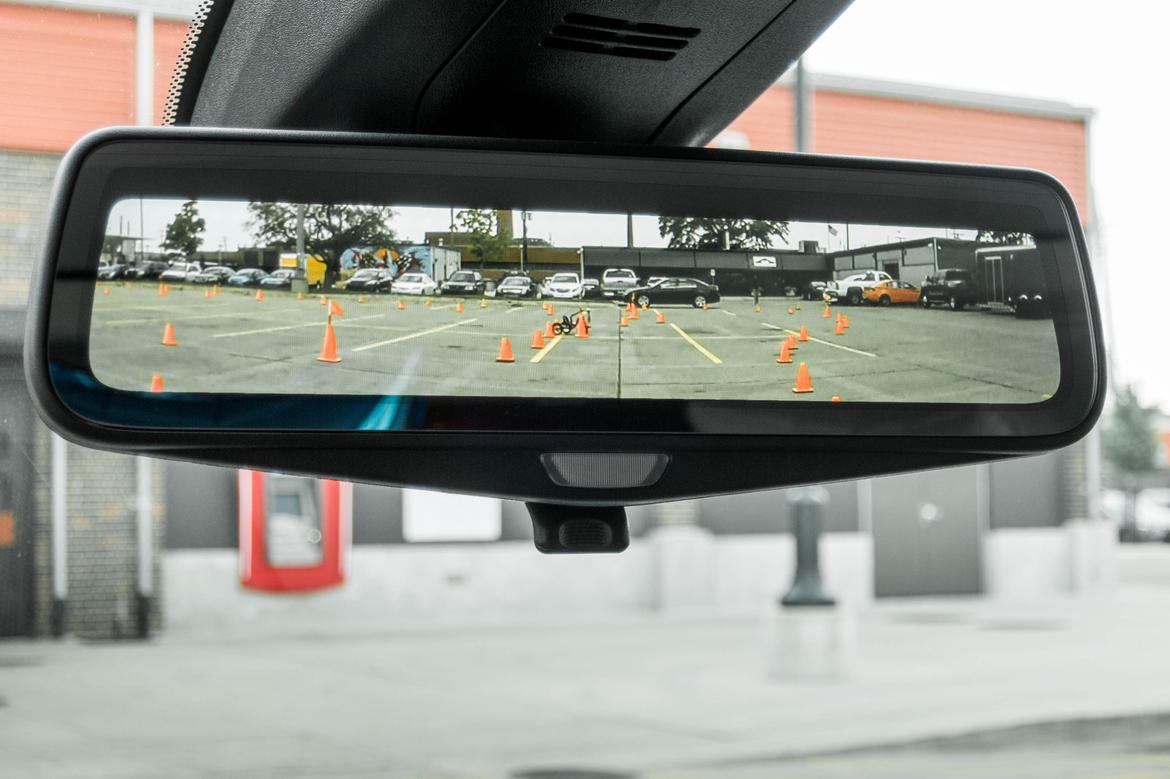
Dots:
(801, 108)
(59, 520)
(144, 532)
(523, 239)
(629, 231)
(302, 261)
(808, 588)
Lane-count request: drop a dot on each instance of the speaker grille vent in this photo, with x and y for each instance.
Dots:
(618, 37)
(602, 470)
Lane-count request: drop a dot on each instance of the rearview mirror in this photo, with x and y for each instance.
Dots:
(557, 323)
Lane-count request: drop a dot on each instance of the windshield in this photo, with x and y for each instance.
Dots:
(1008, 619)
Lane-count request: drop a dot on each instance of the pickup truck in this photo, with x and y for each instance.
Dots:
(850, 288)
(953, 287)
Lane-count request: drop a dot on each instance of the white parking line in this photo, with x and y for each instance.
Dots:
(729, 313)
(702, 350)
(288, 327)
(818, 340)
(419, 334)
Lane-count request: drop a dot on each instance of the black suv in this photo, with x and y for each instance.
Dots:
(954, 287)
(464, 282)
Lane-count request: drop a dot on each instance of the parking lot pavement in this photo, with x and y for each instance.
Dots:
(939, 687)
(235, 343)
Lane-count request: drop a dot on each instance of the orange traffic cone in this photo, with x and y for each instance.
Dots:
(538, 340)
(105, 290)
(840, 327)
(459, 307)
(324, 300)
(505, 354)
(335, 309)
(582, 326)
(548, 330)
(758, 309)
(259, 294)
(827, 313)
(634, 314)
(629, 307)
(217, 290)
(163, 289)
(361, 299)
(156, 383)
(625, 321)
(791, 310)
(791, 341)
(548, 309)
(845, 319)
(645, 306)
(803, 334)
(706, 307)
(430, 302)
(803, 379)
(836, 398)
(785, 353)
(207, 294)
(300, 296)
(660, 319)
(401, 305)
(169, 335)
(329, 345)
(483, 302)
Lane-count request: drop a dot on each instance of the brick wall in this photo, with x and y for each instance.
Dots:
(27, 178)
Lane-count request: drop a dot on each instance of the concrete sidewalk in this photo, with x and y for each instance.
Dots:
(643, 695)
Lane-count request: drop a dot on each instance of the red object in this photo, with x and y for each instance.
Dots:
(259, 568)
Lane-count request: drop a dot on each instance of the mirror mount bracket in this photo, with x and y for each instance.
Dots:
(561, 529)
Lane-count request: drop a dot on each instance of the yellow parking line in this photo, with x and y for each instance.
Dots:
(419, 334)
(287, 327)
(696, 344)
(548, 348)
(818, 340)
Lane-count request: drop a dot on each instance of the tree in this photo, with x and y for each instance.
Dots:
(1130, 446)
(684, 232)
(483, 232)
(1005, 238)
(329, 229)
(184, 234)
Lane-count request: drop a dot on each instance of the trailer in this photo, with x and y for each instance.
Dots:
(1012, 276)
(438, 262)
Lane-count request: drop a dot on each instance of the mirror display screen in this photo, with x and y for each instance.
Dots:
(218, 296)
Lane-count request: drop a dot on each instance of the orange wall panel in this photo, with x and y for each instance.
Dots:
(872, 126)
(62, 74)
(168, 39)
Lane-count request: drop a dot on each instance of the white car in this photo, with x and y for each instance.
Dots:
(617, 282)
(180, 271)
(563, 286)
(851, 288)
(1151, 512)
(414, 284)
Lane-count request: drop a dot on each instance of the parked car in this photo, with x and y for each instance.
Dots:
(954, 287)
(150, 269)
(617, 282)
(853, 287)
(517, 285)
(1150, 513)
(180, 271)
(562, 286)
(247, 277)
(281, 278)
(414, 284)
(675, 290)
(464, 282)
(369, 280)
(814, 290)
(111, 271)
(892, 292)
(216, 274)
(590, 288)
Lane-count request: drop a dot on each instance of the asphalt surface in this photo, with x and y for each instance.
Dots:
(233, 342)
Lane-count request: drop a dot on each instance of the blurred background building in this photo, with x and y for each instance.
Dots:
(99, 545)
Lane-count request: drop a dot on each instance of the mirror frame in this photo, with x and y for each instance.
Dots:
(857, 437)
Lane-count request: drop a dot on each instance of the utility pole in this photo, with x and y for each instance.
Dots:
(523, 239)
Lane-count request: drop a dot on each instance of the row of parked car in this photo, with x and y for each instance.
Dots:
(955, 288)
(614, 283)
